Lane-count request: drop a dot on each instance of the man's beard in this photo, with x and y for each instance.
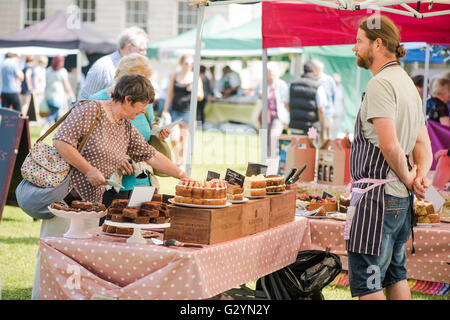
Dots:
(364, 62)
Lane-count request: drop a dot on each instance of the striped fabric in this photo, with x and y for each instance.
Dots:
(100, 75)
(367, 161)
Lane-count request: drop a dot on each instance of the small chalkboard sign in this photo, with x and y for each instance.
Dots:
(14, 147)
(234, 178)
(255, 169)
(212, 175)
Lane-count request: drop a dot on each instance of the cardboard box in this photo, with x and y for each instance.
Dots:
(204, 226)
(333, 164)
(282, 208)
(255, 216)
(301, 151)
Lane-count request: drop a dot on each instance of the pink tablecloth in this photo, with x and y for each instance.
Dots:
(429, 263)
(80, 268)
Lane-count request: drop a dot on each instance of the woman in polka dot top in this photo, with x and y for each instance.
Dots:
(138, 64)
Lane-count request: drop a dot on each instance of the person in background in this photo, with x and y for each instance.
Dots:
(57, 85)
(28, 84)
(326, 123)
(339, 107)
(447, 76)
(437, 104)
(229, 85)
(442, 175)
(277, 113)
(11, 74)
(207, 94)
(418, 82)
(133, 63)
(307, 100)
(179, 100)
(101, 74)
(40, 77)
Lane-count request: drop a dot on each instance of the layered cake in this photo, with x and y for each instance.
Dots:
(275, 183)
(329, 204)
(234, 192)
(344, 203)
(213, 192)
(321, 212)
(255, 186)
(424, 212)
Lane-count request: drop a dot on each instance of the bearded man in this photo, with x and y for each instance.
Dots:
(389, 131)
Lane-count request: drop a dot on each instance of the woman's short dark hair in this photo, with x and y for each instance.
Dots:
(136, 87)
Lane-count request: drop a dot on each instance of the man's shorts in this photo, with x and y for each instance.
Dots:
(369, 273)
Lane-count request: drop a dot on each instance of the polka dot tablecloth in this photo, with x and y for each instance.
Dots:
(432, 244)
(108, 267)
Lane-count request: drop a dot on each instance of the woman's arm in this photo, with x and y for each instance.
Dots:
(161, 163)
(68, 88)
(75, 159)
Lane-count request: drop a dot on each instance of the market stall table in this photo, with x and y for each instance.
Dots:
(107, 266)
(429, 263)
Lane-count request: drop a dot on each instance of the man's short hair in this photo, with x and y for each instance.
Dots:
(418, 80)
(136, 87)
(132, 35)
(309, 67)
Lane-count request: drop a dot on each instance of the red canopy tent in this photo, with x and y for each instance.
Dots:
(286, 24)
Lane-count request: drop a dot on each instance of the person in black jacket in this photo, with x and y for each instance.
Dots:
(307, 100)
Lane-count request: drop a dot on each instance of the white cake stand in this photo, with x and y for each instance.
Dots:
(77, 229)
(137, 237)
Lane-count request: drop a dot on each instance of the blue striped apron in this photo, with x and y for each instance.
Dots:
(365, 217)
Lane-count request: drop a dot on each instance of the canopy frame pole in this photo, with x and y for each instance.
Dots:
(425, 79)
(263, 133)
(193, 105)
(413, 11)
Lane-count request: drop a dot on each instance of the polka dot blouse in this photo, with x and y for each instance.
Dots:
(106, 147)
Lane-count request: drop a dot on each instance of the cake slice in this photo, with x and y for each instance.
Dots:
(255, 186)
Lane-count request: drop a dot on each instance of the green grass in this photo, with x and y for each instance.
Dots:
(213, 151)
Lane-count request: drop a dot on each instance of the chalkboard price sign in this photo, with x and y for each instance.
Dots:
(14, 147)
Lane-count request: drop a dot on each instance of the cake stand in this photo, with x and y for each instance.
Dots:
(77, 229)
(137, 237)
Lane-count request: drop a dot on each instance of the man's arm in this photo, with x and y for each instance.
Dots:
(423, 158)
(392, 151)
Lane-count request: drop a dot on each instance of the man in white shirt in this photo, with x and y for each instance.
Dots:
(101, 74)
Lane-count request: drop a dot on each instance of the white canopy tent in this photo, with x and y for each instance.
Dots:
(349, 5)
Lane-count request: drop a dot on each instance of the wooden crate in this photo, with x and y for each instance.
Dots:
(204, 226)
(282, 208)
(255, 216)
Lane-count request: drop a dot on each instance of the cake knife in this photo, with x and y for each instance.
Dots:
(291, 173)
(296, 175)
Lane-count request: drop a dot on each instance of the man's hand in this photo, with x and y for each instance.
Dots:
(126, 168)
(95, 177)
(420, 186)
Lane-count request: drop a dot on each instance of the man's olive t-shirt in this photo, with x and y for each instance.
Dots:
(392, 94)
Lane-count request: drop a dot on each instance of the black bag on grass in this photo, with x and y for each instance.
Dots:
(302, 280)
